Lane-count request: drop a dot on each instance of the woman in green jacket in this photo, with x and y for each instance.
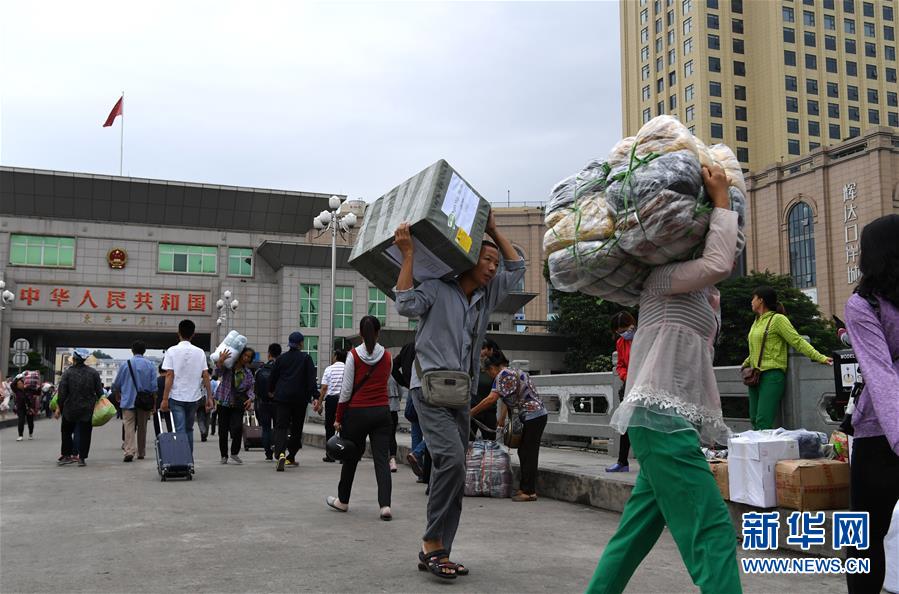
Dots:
(764, 399)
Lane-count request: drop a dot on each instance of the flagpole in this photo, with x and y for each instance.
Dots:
(122, 136)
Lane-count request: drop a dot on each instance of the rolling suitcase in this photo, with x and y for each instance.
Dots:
(252, 431)
(173, 456)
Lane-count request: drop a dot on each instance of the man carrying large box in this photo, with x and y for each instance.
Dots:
(453, 321)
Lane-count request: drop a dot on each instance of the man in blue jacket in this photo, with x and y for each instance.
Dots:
(137, 375)
(292, 387)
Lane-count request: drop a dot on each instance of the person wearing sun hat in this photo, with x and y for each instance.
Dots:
(79, 390)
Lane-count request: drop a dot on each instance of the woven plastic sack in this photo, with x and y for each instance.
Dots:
(103, 411)
(487, 470)
(586, 220)
(592, 178)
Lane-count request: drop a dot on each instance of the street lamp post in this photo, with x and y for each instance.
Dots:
(6, 298)
(227, 308)
(336, 222)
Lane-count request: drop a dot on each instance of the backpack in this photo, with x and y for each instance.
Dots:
(262, 376)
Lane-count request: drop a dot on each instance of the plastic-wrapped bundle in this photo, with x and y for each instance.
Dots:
(725, 157)
(662, 134)
(661, 212)
(670, 228)
(592, 178)
(598, 268)
(587, 219)
(487, 470)
(811, 443)
(235, 343)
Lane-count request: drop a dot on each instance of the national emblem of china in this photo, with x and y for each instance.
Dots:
(117, 258)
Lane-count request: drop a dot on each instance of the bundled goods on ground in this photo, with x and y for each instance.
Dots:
(642, 206)
(234, 343)
(447, 219)
(488, 472)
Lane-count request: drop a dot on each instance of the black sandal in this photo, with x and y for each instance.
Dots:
(431, 562)
(460, 569)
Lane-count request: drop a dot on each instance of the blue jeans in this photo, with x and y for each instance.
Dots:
(184, 414)
(418, 441)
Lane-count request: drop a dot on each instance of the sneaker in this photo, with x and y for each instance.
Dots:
(65, 460)
(19, 438)
(82, 462)
(30, 437)
(224, 459)
(328, 459)
(386, 515)
(236, 459)
(616, 467)
(393, 465)
(414, 464)
(128, 458)
(291, 462)
(281, 461)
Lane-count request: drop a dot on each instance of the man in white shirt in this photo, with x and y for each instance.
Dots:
(332, 380)
(185, 368)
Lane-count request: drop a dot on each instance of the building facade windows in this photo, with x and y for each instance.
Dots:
(738, 46)
(834, 131)
(646, 93)
(853, 114)
(715, 109)
(831, 64)
(833, 110)
(849, 26)
(789, 35)
(42, 250)
(808, 18)
(788, 15)
(714, 88)
(343, 307)
(810, 39)
(811, 86)
(688, 25)
(869, 30)
(688, 69)
(740, 113)
(871, 71)
(739, 92)
(310, 346)
(830, 43)
(790, 83)
(812, 107)
(714, 42)
(712, 21)
(793, 146)
(736, 26)
(793, 125)
(690, 113)
(688, 46)
(717, 131)
(377, 304)
(873, 96)
(739, 68)
(852, 92)
(833, 90)
(830, 22)
(647, 115)
(814, 128)
(742, 134)
(792, 104)
(850, 46)
(851, 68)
(811, 61)
(714, 64)
(742, 154)
(189, 259)
(873, 116)
(801, 239)
(309, 306)
(789, 58)
(240, 261)
(688, 93)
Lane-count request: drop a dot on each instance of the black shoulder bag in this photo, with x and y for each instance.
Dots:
(143, 400)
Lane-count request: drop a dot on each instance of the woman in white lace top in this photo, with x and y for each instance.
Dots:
(671, 402)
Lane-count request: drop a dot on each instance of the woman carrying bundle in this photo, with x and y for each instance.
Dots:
(672, 402)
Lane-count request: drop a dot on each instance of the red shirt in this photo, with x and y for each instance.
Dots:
(374, 391)
(623, 347)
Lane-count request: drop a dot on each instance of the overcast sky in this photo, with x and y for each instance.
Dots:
(333, 97)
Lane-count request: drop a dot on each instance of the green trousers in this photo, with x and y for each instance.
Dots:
(764, 399)
(675, 487)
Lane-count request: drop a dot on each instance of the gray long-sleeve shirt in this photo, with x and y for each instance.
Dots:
(448, 318)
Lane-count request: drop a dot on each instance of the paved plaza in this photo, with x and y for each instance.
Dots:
(114, 527)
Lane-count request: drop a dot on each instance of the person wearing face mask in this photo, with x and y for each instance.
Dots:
(625, 327)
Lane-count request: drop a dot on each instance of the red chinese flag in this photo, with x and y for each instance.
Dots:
(117, 110)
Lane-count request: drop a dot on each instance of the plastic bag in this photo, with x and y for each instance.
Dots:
(235, 343)
(811, 443)
(590, 179)
(54, 402)
(840, 446)
(487, 470)
(103, 411)
(586, 220)
(598, 268)
(662, 134)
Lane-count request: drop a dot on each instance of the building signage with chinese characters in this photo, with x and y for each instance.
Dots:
(850, 233)
(112, 300)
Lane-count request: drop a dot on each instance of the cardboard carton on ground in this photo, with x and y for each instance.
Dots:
(447, 218)
(719, 471)
(751, 467)
(810, 485)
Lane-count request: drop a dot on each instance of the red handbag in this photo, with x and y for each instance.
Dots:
(753, 375)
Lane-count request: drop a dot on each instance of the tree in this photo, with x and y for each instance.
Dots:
(98, 354)
(737, 316)
(585, 320)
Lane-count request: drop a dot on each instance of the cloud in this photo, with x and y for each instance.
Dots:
(331, 97)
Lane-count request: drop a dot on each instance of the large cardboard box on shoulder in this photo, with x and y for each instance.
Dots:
(719, 471)
(447, 218)
(811, 485)
(751, 467)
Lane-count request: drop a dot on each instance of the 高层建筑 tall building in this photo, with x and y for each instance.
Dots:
(772, 79)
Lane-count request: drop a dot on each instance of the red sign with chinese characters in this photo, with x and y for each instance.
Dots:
(112, 299)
